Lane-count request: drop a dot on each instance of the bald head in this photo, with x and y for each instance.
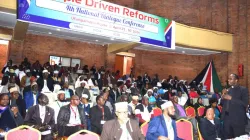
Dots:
(210, 114)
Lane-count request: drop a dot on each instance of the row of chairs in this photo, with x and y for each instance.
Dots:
(190, 111)
(29, 133)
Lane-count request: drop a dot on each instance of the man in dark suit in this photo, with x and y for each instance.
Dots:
(114, 94)
(49, 83)
(210, 126)
(235, 101)
(99, 114)
(41, 117)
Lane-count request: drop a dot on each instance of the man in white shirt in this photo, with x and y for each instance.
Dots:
(181, 100)
(59, 103)
(71, 118)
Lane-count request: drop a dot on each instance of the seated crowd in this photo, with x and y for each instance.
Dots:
(60, 101)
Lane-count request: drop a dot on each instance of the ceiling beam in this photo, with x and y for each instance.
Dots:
(121, 47)
(20, 30)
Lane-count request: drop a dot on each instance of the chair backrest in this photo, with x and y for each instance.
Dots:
(144, 128)
(201, 110)
(88, 135)
(23, 133)
(184, 129)
(190, 111)
(220, 108)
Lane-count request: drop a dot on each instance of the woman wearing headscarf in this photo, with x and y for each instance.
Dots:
(198, 104)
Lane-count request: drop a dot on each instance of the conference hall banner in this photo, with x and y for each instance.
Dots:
(100, 18)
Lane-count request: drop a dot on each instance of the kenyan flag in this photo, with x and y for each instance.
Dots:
(208, 76)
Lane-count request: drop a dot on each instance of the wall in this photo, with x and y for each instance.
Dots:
(36, 47)
(3, 56)
(184, 66)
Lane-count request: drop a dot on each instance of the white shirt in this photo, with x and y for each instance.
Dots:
(74, 116)
(125, 133)
(169, 128)
(42, 111)
(45, 87)
(90, 83)
(182, 101)
(212, 121)
(34, 97)
(115, 94)
(66, 79)
(21, 74)
(56, 106)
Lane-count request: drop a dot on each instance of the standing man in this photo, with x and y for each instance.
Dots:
(235, 101)
(121, 128)
(71, 118)
(99, 114)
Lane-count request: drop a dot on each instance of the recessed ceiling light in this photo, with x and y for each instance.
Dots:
(112, 39)
(58, 29)
(49, 33)
(96, 40)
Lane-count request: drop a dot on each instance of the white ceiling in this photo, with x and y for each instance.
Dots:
(9, 20)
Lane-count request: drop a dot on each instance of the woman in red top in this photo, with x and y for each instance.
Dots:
(193, 93)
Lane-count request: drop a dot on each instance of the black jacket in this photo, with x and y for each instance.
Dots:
(50, 83)
(210, 131)
(21, 104)
(8, 121)
(33, 118)
(141, 108)
(96, 117)
(112, 95)
(235, 109)
(64, 117)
